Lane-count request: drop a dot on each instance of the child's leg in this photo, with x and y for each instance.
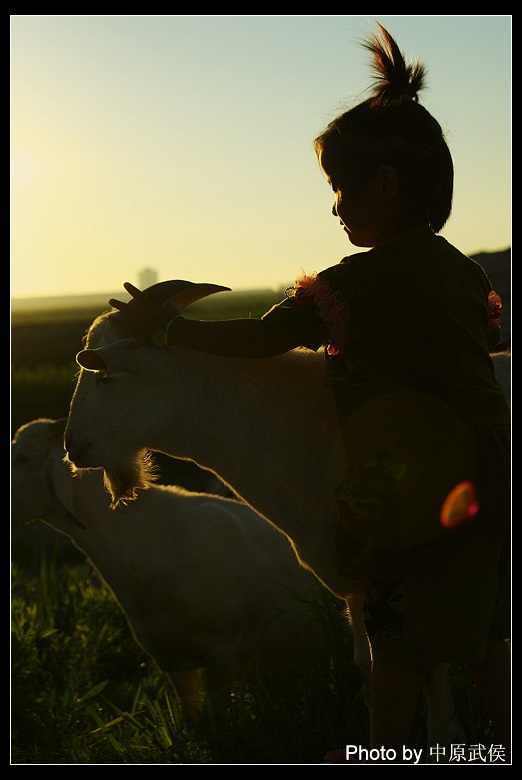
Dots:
(395, 692)
(492, 678)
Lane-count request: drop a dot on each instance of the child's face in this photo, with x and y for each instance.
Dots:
(364, 207)
(359, 209)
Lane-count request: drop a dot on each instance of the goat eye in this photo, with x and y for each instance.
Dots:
(102, 378)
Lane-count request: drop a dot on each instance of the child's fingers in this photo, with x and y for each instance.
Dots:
(117, 304)
(134, 291)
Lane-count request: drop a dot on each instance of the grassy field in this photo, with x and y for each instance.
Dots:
(83, 692)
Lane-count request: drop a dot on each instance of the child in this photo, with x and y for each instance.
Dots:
(408, 328)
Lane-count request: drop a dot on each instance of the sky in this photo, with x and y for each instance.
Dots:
(184, 144)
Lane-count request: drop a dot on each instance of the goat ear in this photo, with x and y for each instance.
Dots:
(180, 293)
(90, 359)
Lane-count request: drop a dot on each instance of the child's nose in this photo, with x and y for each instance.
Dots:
(334, 210)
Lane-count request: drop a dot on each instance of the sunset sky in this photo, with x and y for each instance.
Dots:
(185, 143)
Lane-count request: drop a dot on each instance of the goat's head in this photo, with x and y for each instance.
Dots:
(118, 393)
(40, 480)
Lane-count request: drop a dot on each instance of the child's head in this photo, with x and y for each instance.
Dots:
(391, 130)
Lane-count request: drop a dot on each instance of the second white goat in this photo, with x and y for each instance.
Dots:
(205, 583)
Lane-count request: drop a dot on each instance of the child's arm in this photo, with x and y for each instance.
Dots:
(165, 326)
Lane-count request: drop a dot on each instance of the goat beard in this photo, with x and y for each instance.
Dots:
(123, 484)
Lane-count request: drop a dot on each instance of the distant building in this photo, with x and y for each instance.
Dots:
(147, 277)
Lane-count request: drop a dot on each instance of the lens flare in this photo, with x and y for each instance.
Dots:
(460, 505)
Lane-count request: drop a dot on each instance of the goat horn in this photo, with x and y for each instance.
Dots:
(181, 293)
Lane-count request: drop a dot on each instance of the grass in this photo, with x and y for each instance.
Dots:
(83, 692)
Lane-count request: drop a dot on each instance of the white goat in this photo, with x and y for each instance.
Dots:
(266, 427)
(204, 581)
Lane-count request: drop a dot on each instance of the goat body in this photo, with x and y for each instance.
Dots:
(265, 427)
(203, 580)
